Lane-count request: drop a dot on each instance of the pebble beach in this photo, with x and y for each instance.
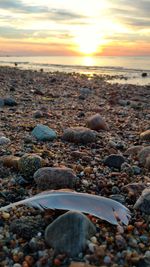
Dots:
(75, 132)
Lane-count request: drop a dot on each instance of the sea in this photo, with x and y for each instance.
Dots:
(124, 70)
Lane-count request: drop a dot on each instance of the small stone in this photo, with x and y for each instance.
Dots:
(88, 170)
(43, 133)
(114, 161)
(125, 167)
(5, 215)
(118, 197)
(136, 170)
(55, 178)
(147, 164)
(145, 135)
(28, 164)
(143, 202)
(79, 135)
(143, 154)
(134, 189)
(120, 241)
(69, 233)
(133, 150)
(107, 260)
(4, 141)
(10, 161)
(96, 122)
(38, 114)
(85, 91)
(133, 242)
(10, 102)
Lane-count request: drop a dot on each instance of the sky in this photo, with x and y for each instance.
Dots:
(75, 27)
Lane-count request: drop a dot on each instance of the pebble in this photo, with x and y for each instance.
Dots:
(143, 202)
(107, 260)
(55, 178)
(5, 215)
(134, 150)
(69, 233)
(28, 164)
(96, 122)
(145, 135)
(114, 161)
(38, 114)
(147, 164)
(43, 133)
(10, 161)
(134, 189)
(79, 135)
(4, 141)
(143, 154)
(10, 102)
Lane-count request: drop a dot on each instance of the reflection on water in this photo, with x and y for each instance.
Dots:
(130, 68)
(88, 61)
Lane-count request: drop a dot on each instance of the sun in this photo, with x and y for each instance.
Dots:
(88, 42)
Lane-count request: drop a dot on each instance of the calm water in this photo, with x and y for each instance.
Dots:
(129, 67)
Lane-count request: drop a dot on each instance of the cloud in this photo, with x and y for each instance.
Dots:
(131, 13)
(18, 6)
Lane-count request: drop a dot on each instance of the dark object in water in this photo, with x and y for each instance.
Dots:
(144, 74)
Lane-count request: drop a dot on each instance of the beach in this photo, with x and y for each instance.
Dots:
(108, 161)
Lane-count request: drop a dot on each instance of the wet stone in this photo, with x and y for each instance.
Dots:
(55, 178)
(69, 233)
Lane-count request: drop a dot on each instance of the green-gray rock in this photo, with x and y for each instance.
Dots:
(43, 133)
(69, 233)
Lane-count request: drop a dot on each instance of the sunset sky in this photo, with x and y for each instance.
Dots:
(75, 27)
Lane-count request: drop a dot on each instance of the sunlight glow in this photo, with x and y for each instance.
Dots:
(89, 41)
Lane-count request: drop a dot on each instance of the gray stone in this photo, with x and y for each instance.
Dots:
(85, 91)
(79, 135)
(43, 133)
(143, 202)
(55, 178)
(4, 140)
(114, 161)
(69, 233)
